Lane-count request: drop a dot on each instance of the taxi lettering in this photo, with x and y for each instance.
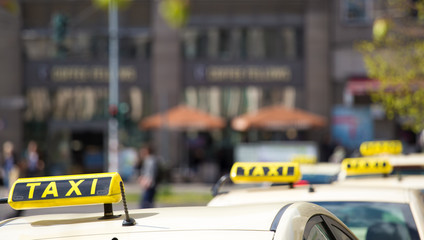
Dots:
(260, 171)
(61, 189)
(31, 190)
(67, 190)
(367, 164)
(51, 189)
(380, 147)
(361, 166)
(304, 159)
(281, 172)
(74, 188)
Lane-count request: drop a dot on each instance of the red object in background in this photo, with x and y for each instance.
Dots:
(183, 117)
(362, 86)
(301, 183)
(113, 110)
(278, 117)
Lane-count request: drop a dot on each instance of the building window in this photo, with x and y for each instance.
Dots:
(202, 44)
(231, 101)
(224, 49)
(76, 104)
(356, 11)
(253, 43)
(86, 45)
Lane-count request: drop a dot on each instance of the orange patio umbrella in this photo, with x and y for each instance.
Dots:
(277, 118)
(183, 117)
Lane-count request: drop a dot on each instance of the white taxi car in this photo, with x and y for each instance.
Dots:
(407, 181)
(298, 220)
(370, 212)
(408, 171)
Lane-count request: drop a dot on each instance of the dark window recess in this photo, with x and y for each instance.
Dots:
(273, 42)
(224, 49)
(246, 43)
(413, 10)
(243, 44)
(99, 48)
(202, 45)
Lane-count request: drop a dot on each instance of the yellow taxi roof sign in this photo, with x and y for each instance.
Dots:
(380, 147)
(366, 166)
(69, 190)
(276, 172)
(304, 159)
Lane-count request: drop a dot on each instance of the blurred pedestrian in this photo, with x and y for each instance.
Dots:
(9, 164)
(338, 155)
(148, 177)
(33, 163)
(420, 142)
(11, 170)
(327, 147)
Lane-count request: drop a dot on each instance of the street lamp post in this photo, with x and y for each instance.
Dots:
(113, 141)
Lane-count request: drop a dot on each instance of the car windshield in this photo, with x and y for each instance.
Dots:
(409, 170)
(375, 220)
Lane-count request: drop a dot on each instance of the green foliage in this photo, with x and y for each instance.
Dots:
(59, 32)
(104, 4)
(11, 6)
(183, 199)
(60, 28)
(395, 57)
(167, 197)
(175, 12)
(380, 28)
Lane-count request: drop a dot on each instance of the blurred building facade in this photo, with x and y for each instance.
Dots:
(232, 57)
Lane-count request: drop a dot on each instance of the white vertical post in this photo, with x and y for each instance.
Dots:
(113, 141)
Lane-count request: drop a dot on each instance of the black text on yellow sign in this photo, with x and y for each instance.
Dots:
(67, 190)
(265, 172)
(363, 166)
(381, 147)
(28, 191)
(257, 171)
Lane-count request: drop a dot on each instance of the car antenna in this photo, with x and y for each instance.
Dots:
(128, 221)
(217, 186)
(399, 176)
(311, 188)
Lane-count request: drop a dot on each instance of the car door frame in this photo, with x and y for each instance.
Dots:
(329, 224)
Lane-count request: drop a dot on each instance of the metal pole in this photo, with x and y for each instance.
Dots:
(113, 142)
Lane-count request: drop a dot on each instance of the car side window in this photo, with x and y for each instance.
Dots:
(321, 227)
(340, 235)
(339, 232)
(317, 229)
(318, 232)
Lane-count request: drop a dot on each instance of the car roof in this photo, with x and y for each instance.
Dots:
(237, 221)
(258, 221)
(407, 181)
(318, 193)
(265, 221)
(413, 159)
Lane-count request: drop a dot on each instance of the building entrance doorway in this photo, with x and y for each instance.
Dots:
(87, 151)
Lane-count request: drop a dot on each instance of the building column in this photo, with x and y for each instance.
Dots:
(317, 58)
(165, 81)
(11, 99)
